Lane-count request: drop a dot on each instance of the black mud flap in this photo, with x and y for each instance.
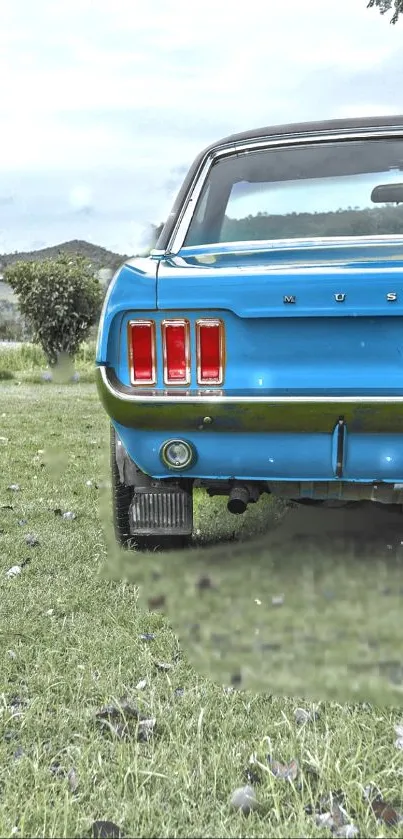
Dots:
(161, 511)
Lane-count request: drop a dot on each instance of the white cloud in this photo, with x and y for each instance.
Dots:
(101, 89)
(80, 197)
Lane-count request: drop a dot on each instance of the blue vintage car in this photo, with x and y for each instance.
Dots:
(259, 348)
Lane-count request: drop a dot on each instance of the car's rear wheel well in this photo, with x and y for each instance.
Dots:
(126, 478)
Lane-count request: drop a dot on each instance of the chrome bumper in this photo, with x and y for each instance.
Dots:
(228, 411)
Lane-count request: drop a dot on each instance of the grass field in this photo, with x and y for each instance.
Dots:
(73, 640)
(26, 363)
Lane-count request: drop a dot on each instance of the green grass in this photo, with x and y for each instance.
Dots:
(70, 642)
(27, 363)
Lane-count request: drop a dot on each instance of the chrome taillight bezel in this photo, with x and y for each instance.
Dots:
(142, 382)
(209, 322)
(166, 324)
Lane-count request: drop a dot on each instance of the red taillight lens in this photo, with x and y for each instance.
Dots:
(176, 347)
(142, 352)
(210, 351)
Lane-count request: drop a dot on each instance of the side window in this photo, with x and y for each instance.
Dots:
(196, 233)
(201, 210)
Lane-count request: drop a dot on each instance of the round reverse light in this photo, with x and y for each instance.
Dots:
(177, 454)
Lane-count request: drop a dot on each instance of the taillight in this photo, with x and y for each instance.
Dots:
(176, 351)
(142, 352)
(210, 351)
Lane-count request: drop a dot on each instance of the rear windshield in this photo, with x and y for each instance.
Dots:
(301, 192)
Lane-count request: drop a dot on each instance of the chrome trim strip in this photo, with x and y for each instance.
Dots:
(212, 399)
(185, 215)
(304, 243)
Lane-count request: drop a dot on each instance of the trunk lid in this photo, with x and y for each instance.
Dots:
(306, 318)
(310, 319)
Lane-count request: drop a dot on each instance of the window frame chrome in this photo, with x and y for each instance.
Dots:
(187, 210)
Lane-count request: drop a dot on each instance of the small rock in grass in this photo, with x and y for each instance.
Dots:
(120, 730)
(57, 769)
(346, 831)
(105, 830)
(22, 522)
(385, 812)
(11, 654)
(14, 571)
(31, 540)
(17, 702)
(244, 799)
(147, 636)
(286, 771)
(141, 684)
(179, 691)
(278, 600)
(25, 561)
(14, 487)
(302, 716)
(324, 820)
(399, 732)
(145, 729)
(164, 666)
(69, 516)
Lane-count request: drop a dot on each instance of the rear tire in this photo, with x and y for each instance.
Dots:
(122, 496)
(121, 499)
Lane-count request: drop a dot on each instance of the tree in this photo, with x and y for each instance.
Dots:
(387, 6)
(60, 299)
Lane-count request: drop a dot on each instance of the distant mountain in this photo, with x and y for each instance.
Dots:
(99, 257)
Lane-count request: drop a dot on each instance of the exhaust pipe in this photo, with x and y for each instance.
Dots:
(238, 500)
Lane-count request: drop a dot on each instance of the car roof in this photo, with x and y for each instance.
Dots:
(293, 129)
(290, 130)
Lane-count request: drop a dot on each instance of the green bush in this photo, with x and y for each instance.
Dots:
(60, 299)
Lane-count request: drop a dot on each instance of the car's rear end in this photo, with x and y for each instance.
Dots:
(260, 347)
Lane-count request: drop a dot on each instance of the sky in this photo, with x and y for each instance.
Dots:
(105, 104)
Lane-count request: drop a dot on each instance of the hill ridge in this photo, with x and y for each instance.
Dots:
(100, 257)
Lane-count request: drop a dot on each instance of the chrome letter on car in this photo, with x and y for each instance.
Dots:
(391, 297)
(289, 298)
(340, 298)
